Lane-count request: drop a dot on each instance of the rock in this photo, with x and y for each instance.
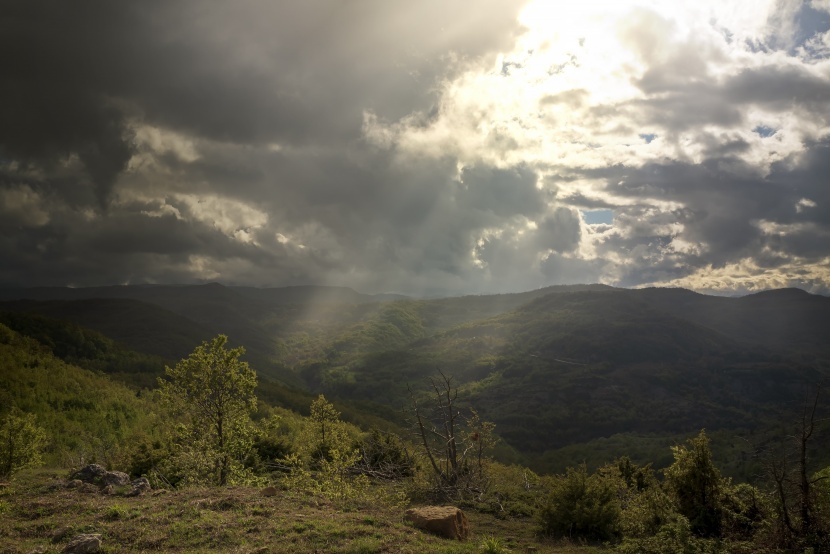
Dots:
(115, 478)
(445, 521)
(98, 475)
(93, 473)
(270, 491)
(83, 544)
(140, 486)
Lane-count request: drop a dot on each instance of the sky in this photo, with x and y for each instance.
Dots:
(424, 148)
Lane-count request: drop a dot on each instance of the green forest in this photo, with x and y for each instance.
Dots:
(595, 417)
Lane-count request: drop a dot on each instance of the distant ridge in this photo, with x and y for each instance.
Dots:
(150, 293)
(553, 368)
(140, 326)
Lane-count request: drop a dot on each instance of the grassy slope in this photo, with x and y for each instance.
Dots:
(37, 510)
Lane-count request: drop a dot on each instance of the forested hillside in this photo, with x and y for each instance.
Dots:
(566, 373)
(87, 415)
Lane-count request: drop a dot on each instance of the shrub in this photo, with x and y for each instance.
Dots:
(582, 506)
(21, 443)
(696, 486)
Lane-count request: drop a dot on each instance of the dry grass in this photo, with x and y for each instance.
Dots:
(37, 510)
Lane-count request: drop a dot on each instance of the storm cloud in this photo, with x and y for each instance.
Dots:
(415, 147)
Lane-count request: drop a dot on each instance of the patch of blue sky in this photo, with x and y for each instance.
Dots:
(593, 217)
(764, 131)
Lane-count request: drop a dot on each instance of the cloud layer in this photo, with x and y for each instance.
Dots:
(417, 147)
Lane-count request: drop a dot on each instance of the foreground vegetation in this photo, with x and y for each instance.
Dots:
(38, 511)
(200, 433)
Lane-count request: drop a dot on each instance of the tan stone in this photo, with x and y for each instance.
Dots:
(445, 521)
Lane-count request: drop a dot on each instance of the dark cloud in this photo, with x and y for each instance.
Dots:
(251, 71)
(730, 214)
(780, 89)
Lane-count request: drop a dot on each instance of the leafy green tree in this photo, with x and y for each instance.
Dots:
(216, 390)
(696, 486)
(325, 457)
(324, 416)
(21, 442)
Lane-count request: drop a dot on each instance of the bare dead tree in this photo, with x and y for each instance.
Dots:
(788, 469)
(806, 430)
(453, 440)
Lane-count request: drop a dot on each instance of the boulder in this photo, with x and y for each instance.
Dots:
(115, 478)
(140, 486)
(445, 521)
(83, 544)
(93, 473)
(98, 475)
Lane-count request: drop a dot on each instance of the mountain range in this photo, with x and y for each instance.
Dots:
(565, 372)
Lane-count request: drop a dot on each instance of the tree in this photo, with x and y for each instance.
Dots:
(21, 442)
(453, 441)
(324, 416)
(216, 390)
(325, 456)
(697, 486)
(788, 469)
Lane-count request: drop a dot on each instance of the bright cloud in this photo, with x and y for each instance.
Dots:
(591, 86)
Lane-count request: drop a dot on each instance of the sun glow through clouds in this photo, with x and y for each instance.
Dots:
(425, 148)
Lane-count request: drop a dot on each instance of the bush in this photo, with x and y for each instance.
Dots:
(696, 486)
(582, 506)
(21, 443)
(385, 456)
(508, 490)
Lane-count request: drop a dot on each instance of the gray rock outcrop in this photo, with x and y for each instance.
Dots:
(140, 486)
(98, 475)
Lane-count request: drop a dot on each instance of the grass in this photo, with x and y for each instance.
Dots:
(39, 512)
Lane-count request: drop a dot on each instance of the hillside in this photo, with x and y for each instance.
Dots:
(554, 368)
(85, 413)
(572, 368)
(137, 325)
(162, 323)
